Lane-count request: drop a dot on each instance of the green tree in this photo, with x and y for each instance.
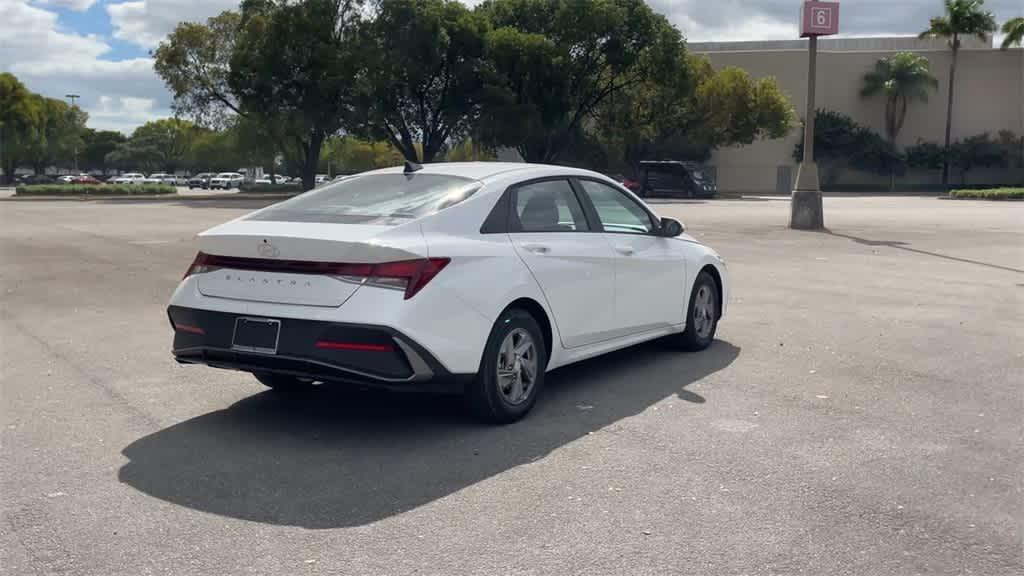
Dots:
(213, 151)
(961, 18)
(1014, 31)
(19, 120)
(902, 78)
(96, 145)
(423, 60)
(348, 154)
(469, 150)
(297, 62)
(551, 63)
(170, 138)
(58, 134)
(841, 143)
(690, 110)
(974, 152)
(195, 62)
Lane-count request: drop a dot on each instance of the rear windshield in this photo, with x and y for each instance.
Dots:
(386, 199)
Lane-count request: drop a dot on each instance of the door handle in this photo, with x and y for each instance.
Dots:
(624, 250)
(536, 248)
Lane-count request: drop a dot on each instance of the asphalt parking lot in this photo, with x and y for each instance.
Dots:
(862, 413)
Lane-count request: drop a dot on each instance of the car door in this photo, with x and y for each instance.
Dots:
(572, 263)
(650, 270)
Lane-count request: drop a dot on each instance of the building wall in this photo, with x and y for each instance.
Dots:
(989, 97)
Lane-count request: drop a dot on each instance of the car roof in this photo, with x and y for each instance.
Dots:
(485, 170)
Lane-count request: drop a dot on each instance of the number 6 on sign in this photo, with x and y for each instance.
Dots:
(819, 19)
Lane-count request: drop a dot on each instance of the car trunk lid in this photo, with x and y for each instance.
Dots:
(299, 263)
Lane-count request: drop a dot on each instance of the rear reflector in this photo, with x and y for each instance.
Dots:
(408, 275)
(189, 329)
(329, 345)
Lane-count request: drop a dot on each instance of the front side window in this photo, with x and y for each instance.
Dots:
(617, 212)
(548, 206)
(386, 199)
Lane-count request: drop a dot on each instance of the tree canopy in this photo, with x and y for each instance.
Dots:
(901, 78)
(423, 59)
(1013, 30)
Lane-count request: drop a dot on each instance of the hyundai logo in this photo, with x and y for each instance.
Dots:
(268, 250)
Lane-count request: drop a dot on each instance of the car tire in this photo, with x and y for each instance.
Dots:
(701, 314)
(515, 345)
(283, 384)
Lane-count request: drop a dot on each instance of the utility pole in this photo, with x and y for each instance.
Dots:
(73, 98)
(806, 211)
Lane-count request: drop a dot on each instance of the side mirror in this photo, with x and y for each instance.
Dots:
(670, 228)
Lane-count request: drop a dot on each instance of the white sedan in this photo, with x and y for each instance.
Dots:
(470, 277)
(129, 178)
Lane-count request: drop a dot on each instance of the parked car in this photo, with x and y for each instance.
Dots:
(67, 178)
(32, 179)
(366, 280)
(268, 180)
(178, 180)
(129, 178)
(156, 178)
(201, 180)
(226, 180)
(320, 180)
(676, 179)
(85, 179)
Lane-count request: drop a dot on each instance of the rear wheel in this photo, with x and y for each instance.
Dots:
(701, 315)
(512, 370)
(283, 384)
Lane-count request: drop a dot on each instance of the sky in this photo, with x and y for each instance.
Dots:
(100, 49)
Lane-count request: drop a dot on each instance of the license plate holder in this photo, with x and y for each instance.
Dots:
(256, 335)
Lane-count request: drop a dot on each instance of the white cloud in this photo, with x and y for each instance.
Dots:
(54, 62)
(77, 5)
(122, 113)
(146, 22)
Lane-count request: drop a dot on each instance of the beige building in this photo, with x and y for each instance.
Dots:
(989, 97)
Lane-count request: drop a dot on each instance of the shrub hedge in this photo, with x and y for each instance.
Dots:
(990, 194)
(93, 189)
(291, 188)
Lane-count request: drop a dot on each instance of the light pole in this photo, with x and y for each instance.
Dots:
(806, 212)
(74, 97)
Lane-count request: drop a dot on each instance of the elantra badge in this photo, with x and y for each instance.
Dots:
(268, 250)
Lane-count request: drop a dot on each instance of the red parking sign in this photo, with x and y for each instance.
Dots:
(819, 19)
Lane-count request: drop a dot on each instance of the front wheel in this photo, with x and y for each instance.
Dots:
(511, 371)
(701, 315)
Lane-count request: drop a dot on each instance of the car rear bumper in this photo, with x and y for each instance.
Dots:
(368, 355)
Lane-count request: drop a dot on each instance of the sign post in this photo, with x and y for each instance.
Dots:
(806, 213)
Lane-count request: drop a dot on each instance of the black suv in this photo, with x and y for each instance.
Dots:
(675, 178)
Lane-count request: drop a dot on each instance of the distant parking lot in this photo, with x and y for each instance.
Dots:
(861, 414)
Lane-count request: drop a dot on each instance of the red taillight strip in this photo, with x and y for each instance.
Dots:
(416, 273)
(190, 329)
(329, 345)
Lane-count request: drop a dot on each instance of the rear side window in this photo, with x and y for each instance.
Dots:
(547, 206)
(387, 199)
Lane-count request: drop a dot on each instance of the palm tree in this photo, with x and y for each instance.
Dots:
(901, 78)
(962, 18)
(1014, 30)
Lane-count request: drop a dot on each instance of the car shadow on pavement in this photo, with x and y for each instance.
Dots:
(338, 457)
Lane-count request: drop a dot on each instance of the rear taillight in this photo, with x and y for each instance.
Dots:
(202, 263)
(407, 275)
